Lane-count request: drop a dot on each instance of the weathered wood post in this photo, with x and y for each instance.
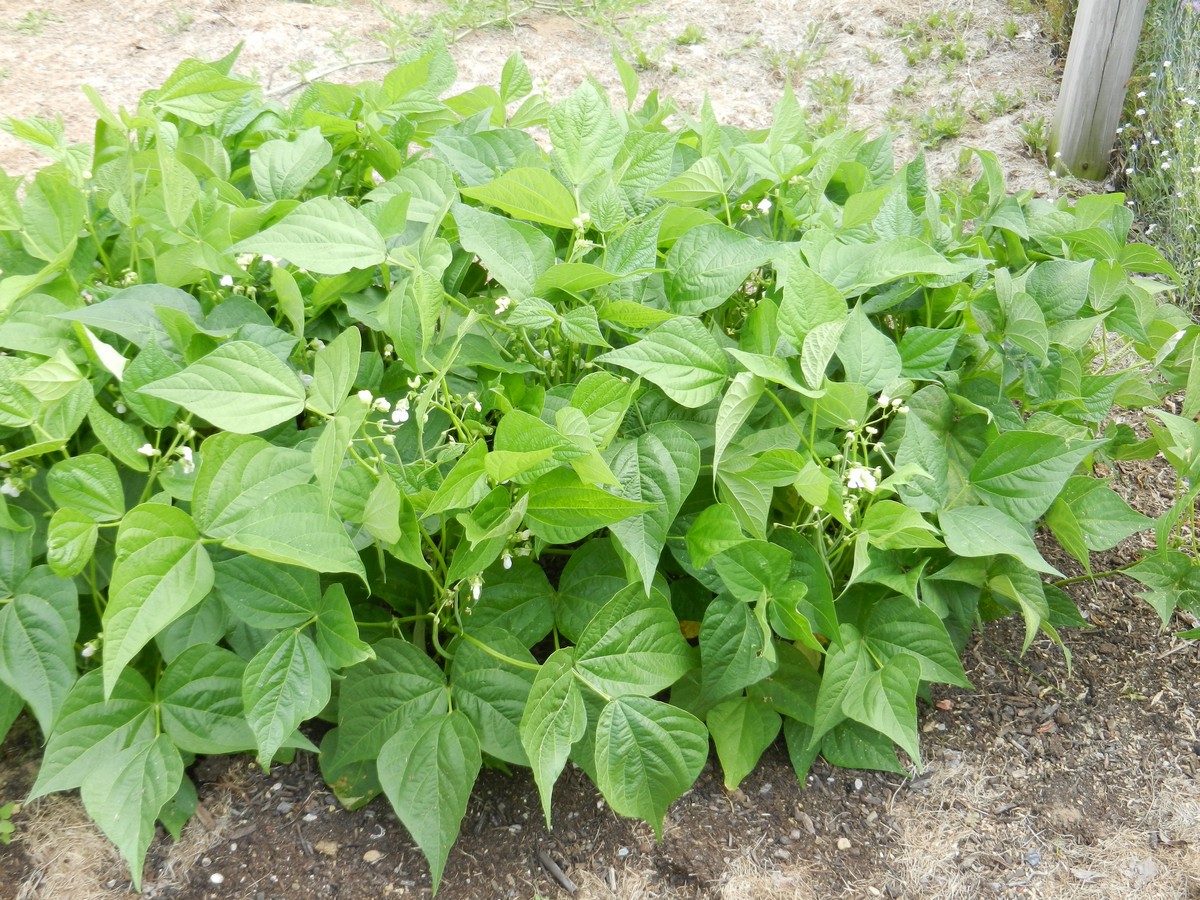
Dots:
(1099, 64)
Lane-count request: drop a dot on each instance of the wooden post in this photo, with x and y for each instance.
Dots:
(1099, 64)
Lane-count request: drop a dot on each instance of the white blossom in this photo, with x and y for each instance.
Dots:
(10, 487)
(244, 260)
(365, 396)
(502, 305)
(148, 450)
(226, 281)
(187, 461)
(88, 651)
(400, 413)
(860, 478)
(764, 206)
(506, 560)
(381, 405)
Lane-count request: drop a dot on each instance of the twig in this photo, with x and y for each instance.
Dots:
(552, 867)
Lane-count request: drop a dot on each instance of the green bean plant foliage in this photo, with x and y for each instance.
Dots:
(495, 431)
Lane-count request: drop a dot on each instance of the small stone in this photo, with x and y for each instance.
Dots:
(216, 878)
(310, 817)
(780, 853)
(623, 852)
(372, 856)
(328, 848)
(843, 843)
(858, 784)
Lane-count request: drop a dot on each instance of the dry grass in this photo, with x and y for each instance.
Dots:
(72, 859)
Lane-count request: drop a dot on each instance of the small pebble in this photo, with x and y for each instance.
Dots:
(843, 843)
(233, 847)
(858, 784)
(623, 852)
(372, 856)
(216, 878)
(206, 861)
(310, 817)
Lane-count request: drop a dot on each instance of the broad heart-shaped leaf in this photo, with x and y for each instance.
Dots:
(528, 193)
(808, 301)
(633, 645)
(680, 357)
(707, 264)
(517, 599)
(739, 401)
(1089, 515)
(493, 693)
(266, 594)
(585, 134)
(281, 169)
(843, 663)
(591, 577)
(237, 475)
(984, 531)
(428, 770)
(90, 729)
(1021, 472)
(125, 792)
(514, 253)
(338, 640)
(38, 628)
(70, 541)
(868, 357)
(294, 527)
(741, 730)
(715, 530)
(897, 626)
(400, 684)
(199, 92)
(1172, 579)
(886, 700)
(286, 683)
(240, 387)
(200, 700)
(563, 509)
(660, 467)
(161, 571)
(554, 720)
(852, 745)
(11, 705)
(325, 235)
(647, 754)
(89, 483)
(334, 369)
(732, 643)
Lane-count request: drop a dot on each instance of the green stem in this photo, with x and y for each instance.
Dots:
(496, 654)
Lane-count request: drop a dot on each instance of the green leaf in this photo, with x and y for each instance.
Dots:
(338, 640)
(1096, 514)
(120, 438)
(90, 484)
(660, 468)
(493, 693)
(715, 530)
(975, 531)
(517, 599)
(237, 475)
(1059, 287)
(925, 351)
(855, 746)
(585, 135)
(886, 700)
(161, 571)
(1172, 579)
(286, 683)
(528, 193)
(741, 730)
(893, 526)
(592, 575)
(428, 770)
(554, 720)
(896, 626)
(647, 754)
(70, 541)
(282, 169)
(868, 357)
(1021, 472)
(633, 645)
(199, 92)
(563, 509)
(90, 729)
(239, 387)
(325, 235)
(377, 696)
(334, 369)
(732, 648)
(200, 700)
(125, 792)
(707, 265)
(465, 484)
(808, 301)
(38, 628)
(514, 253)
(53, 214)
(679, 356)
(736, 406)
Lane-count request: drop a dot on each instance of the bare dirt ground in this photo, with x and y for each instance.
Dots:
(1040, 783)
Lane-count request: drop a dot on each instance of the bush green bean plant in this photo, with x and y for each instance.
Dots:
(496, 431)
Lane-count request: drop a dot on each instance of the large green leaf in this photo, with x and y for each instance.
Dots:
(127, 790)
(281, 169)
(707, 265)
(1089, 515)
(886, 700)
(897, 626)
(286, 683)
(237, 474)
(660, 467)
(591, 577)
(741, 728)
(585, 134)
(89, 483)
(984, 531)
(528, 193)
(554, 720)
(739, 401)
(266, 594)
(868, 357)
(517, 599)
(679, 356)
(514, 253)
(200, 700)
(1021, 472)
(731, 648)
(633, 645)
(492, 692)
(563, 509)
(92, 727)
(808, 301)
(334, 369)
(428, 770)
(647, 754)
(240, 387)
(338, 640)
(161, 571)
(199, 92)
(38, 627)
(325, 235)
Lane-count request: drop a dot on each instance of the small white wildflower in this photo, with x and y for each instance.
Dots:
(400, 413)
(1141, 94)
(871, 431)
(1165, 166)
(381, 405)
(365, 396)
(88, 651)
(884, 401)
(502, 305)
(1129, 171)
(1121, 130)
(186, 460)
(10, 487)
(897, 403)
(306, 379)
(1166, 64)
(119, 408)
(226, 281)
(1058, 154)
(1153, 74)
(476, 587)
(1141, 111)
(860, 478)
(478, 406)
(1155, 142)
(244, 260)
(388, 351)
(506, 560)
(147, 450)
(764, 206)
(903, 410)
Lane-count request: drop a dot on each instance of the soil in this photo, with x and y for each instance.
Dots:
(1045, 781)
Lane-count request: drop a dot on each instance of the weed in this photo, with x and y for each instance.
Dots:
(690, 36)
(940, 123)
(7, 811)
(1035, 136)
(34, 22)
